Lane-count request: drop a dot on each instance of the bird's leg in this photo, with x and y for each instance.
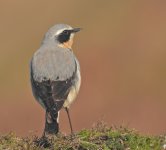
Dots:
(51, 124)
(68, 114)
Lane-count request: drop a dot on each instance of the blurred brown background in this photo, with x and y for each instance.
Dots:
(122, 52)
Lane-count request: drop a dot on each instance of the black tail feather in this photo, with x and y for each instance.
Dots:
(51, 124)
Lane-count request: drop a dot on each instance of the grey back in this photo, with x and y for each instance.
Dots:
(54, 63)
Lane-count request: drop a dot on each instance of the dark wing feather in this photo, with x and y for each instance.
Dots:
(52, 94)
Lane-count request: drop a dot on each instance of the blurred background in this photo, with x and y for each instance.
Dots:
(122, 53)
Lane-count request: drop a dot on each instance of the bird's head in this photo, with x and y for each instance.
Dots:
(61, 34)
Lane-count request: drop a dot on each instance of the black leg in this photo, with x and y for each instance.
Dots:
(67, 110)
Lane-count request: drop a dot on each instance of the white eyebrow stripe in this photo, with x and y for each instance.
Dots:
(61, 30)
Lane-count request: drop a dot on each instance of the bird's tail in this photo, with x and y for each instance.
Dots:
(51, 124)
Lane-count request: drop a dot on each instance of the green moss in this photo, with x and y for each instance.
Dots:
(99, 137)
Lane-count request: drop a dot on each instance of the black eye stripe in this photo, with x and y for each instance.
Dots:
(64, 36)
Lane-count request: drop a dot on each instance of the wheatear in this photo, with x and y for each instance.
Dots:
(55, 74)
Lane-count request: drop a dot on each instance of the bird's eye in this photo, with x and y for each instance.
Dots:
(65, 32)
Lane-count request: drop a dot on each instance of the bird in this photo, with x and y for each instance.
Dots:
(55, 75)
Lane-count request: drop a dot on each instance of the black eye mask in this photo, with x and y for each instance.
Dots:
(64, 36)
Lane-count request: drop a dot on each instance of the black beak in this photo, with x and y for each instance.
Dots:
(76, 30)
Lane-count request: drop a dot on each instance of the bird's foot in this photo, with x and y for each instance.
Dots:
(72, 136)
(43, 142)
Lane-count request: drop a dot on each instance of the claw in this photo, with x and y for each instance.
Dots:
(43, 142)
